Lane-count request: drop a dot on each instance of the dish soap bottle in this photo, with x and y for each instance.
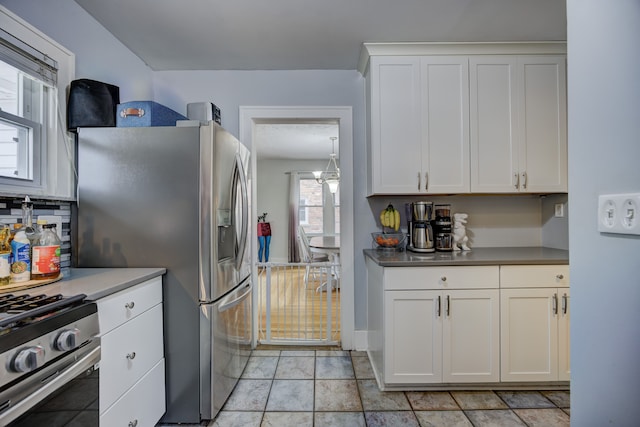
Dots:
(45, 254)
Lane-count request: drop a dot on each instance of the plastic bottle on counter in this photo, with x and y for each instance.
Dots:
(5, 255)
(45, 254)
(21, 245)
(20, 256)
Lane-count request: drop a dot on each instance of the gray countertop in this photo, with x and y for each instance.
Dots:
(477, 256)
(96, 283)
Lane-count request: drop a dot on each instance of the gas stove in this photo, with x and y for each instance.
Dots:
(42, 337)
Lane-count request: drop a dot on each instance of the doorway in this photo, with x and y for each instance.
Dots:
(250, 119)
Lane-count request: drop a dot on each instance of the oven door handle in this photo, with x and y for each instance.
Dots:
(49, 386)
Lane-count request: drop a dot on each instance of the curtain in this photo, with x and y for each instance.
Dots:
(294, 209)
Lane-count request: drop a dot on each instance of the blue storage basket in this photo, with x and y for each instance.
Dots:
(145, 114)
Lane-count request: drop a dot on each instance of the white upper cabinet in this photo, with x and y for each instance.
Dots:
(419, 125)
(466, 118)
(518, 124)
(396, 146)
(445, 124)
(419, 119)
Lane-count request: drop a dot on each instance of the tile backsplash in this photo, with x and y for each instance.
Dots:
(11, 213)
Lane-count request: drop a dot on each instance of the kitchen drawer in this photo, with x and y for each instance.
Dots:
(534, 276)
(129, 410)
(417, 278)
(120, 307)
(128, 352)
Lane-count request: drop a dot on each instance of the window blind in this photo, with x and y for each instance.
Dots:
(28, 59)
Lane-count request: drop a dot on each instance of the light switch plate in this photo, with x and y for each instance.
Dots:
(618, 213)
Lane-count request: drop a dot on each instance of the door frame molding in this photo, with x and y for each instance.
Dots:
(252, 115)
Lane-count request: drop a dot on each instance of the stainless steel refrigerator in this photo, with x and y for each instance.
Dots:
(176, 197)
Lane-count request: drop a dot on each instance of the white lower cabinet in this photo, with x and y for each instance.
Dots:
(131, 409)
(445, 329)
(534, 326)
(471, 324)
(132, 377)
(436, 336)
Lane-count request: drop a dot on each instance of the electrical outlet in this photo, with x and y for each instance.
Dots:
(559, 210)
(607, 213)
(618, 213)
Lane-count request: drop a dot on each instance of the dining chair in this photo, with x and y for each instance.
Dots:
(308, 257)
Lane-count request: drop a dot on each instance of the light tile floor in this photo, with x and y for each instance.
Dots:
(337, 388)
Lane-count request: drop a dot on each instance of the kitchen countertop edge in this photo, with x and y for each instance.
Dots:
(477, 256)
(97, 283)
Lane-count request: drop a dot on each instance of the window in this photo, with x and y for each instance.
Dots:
(23, 111)
(319, 210)
(303, 214)
(36, 153)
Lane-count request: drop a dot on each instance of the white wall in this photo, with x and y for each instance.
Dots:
(99, 55)
(604, 148)
(273, 198)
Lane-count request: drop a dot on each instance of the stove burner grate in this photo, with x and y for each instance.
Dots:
(15, 309)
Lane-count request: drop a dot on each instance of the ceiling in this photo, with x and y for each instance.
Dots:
(304, 34)
(306, 141)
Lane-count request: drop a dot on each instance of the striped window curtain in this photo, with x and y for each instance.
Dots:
(294, 209)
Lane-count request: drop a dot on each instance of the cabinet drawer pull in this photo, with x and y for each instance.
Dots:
(443, 278)
(130, 305)
(559, 276)
(131, 355)
(133, 423)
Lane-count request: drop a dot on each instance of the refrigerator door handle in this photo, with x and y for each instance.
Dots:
(245, 212)
(228, 305)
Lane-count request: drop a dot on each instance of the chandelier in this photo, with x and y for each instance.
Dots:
(330, 176)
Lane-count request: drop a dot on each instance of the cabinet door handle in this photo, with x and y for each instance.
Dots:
(438, 307)
(517, 180)
(419, 182)
(564, 304)
(130, 305)
(426, 181)
(524, 180)
(555, 303)
(448, 306)
(131, 355)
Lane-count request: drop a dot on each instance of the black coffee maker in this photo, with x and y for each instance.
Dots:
(443, 228)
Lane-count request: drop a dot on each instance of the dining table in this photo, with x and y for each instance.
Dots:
(330, 245)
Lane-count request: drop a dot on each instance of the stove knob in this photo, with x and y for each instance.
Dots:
(67, 340)
(28, 359)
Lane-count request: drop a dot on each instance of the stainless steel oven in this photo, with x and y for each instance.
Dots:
(48, 354)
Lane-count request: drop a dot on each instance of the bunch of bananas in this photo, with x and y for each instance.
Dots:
(390, 217)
